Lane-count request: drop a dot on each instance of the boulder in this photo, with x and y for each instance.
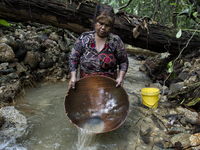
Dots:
(6, 53)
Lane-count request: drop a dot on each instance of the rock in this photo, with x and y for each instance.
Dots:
(7, 71)
(9, 91)
(4, 79)
(9, 77)
(176, 130)
(54, 37)
(31, 45)
(49, 43)
(32, 59)
(187, 65)
(175, 87)
(6, 53)
(20, 67)
(183, 76)
(2, 120)
(21, 51)
(4, 66)
(195, 139)
(64, 46)
(15, 123)
(183, 138)
(46, 63)
(191, 117)
(193, 79)
(9, 41)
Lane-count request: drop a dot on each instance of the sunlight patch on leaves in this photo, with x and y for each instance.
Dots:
(5, 23)
(178, 35)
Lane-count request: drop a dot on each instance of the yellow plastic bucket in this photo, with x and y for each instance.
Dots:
(150, 97)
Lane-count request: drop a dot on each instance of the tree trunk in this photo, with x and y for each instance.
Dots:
(138, 32)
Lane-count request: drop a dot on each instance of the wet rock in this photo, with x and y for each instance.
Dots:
(9, 91)
(143, 68)
(197, 64)
(54, 37)
(2, 121)
(63, 45)
(15, 123)
(31, 45)
(4, 66)
(9, 41)
(6, 53)
(176, 130)
(187, 65)
(46, 63)
(175, 87)
(182, 110)
(9, 77)
(183, 76)
(193, 79)
(49, 43)
(195, 139)
(183, 121)
(191, 117)
(32, 59)
(20, 67)
(7, 71)
(183, 138)
(21, 51)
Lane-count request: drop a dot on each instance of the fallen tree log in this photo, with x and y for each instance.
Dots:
(77, 17)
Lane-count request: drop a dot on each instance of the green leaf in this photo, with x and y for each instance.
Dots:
(5, 23)
(169, 65)
(172, 3)
(178, 35)
(190, 10)
(188, 23)
(170, 70)
(173, 75)
(195, 14)
(193, 102)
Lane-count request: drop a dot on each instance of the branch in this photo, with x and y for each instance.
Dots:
(125, 5)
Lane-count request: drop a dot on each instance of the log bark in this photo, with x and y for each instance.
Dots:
(78, 17)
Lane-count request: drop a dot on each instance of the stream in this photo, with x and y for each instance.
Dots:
(49, 128)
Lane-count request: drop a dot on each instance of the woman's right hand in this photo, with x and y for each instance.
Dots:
(72, 81)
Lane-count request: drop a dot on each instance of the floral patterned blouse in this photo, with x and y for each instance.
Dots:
(92, 61)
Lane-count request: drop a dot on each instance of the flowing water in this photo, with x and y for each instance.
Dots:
(49, 128)
(86, 136)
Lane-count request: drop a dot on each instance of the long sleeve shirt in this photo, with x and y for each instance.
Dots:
(85, 53)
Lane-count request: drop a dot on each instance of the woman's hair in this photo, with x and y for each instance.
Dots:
(104, 11)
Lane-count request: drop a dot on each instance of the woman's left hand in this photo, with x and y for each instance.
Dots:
(119, 82)
(120, 78)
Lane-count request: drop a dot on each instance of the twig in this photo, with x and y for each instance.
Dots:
(70, 34)
(142, 122)
(125, 5)
(149, 70)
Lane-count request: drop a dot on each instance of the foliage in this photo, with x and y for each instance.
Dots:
(161, 11)
(4, 23)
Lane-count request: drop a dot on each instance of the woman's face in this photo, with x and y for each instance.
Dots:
(103, 27)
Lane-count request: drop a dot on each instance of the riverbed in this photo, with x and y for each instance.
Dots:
(49, 128)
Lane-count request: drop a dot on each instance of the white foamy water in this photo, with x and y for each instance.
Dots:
(87, 136)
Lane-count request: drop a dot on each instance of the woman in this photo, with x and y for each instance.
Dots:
(99, 51)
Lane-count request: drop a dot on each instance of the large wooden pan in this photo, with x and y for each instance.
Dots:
(97, 97)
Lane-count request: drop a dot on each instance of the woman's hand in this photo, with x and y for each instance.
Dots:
(120, 78)
(72, 81)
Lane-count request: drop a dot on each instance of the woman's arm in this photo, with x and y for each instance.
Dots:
(120, 78)
(72, 80)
